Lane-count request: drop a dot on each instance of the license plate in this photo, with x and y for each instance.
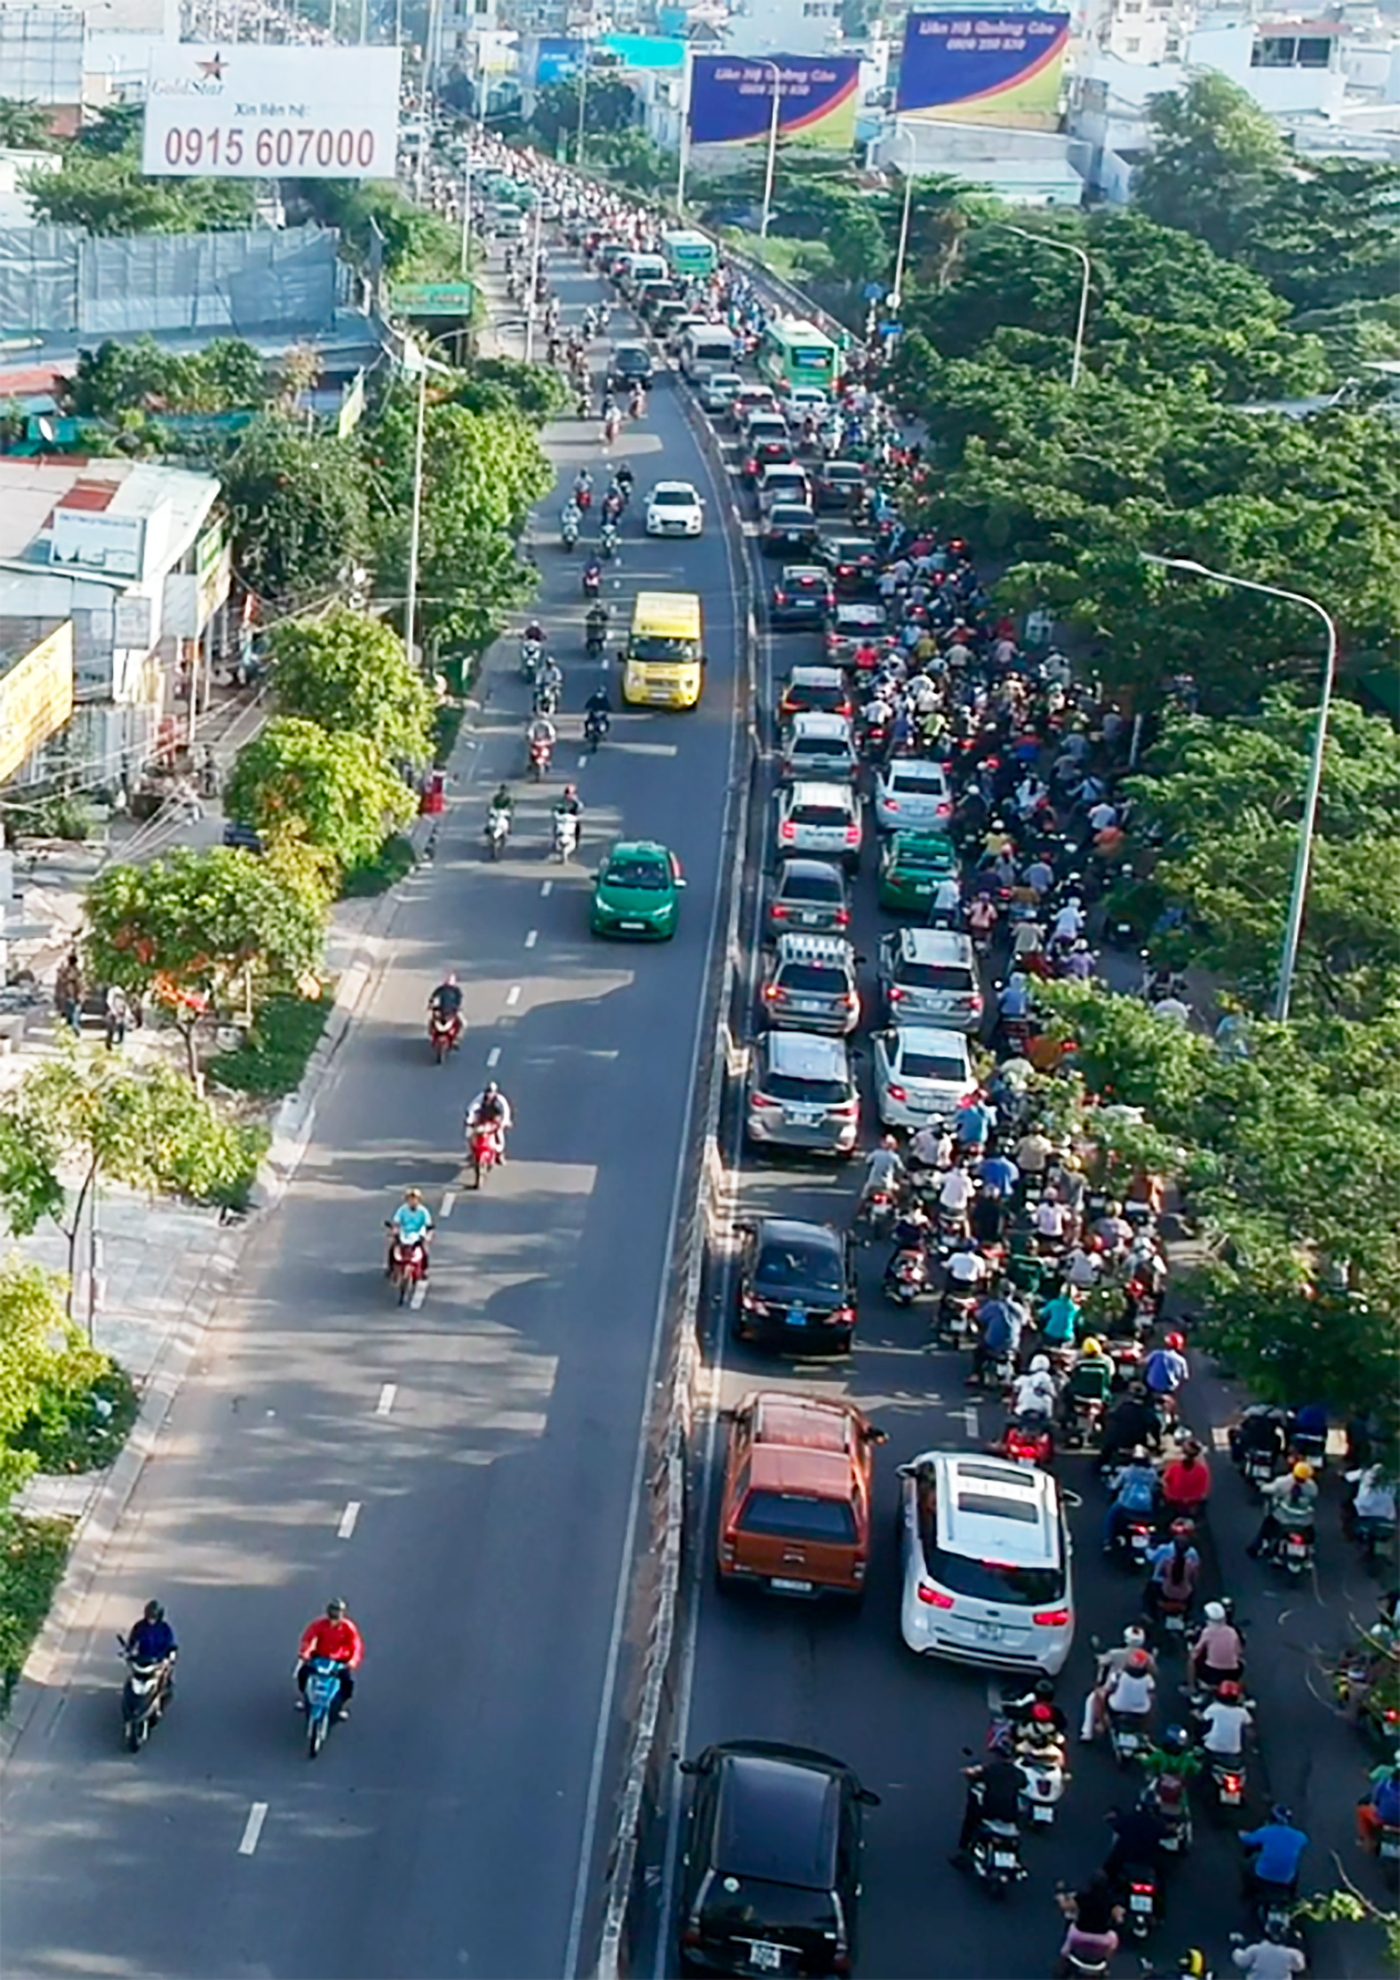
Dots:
(770, 1958)
(802, 1116)
(784, 1587)
(805, 1004)
(633, 927)
(797, 1316)
(1390, 1850)
(1230, 1798)
(1042, 1811)
(1003, 1859)
(1139, 1901)
(989, 1632)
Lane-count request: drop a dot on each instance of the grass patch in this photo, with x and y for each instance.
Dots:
(448, 720)
(33, 1554)
(274, 1054)
(84, 1432)
(395, 859)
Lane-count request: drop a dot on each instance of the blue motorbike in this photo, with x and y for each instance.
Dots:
(321, 1692)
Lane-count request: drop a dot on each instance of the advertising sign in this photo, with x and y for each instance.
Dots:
(557, 57)
(97, 541)
(36, 697)
(731, 99)
(433, 298)
(247, 111)
(983, 68)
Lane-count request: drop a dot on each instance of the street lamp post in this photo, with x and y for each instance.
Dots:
(773, 123)
(1064, 247)
(415, 527)
(1307, 825)
(896, 295)
(532, 277)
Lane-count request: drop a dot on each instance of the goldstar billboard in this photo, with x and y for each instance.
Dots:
(245, 111)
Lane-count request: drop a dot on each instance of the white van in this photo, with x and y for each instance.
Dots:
(643, 268)
(706, 348)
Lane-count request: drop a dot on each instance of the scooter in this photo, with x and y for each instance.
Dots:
(540, 753)
(593, 641)
(1293, 1551)
(545, 699)
(321, 1692)
(408, 1264)
(1227, 1778)
(1127, 1735)
(906, 1275)
(568, 533)
(607, 539)
(592, 580)
(144, 1696)
(497, 830)
(1140, 1891)
(996, 1856)
(444, 1034)
(595, 727)
(565, 835)
(484, 1152)
(1026, 1440)
(531, 653)
(1043, 1765)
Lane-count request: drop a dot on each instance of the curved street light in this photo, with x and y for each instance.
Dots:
(1063, 247)
(896, 295)
(1307, 826)
(764, 62)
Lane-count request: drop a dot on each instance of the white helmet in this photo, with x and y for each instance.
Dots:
(1215, 1612)
(1041, 1365)
(1134, 1637)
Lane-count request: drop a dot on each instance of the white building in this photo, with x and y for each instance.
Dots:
(1025, 168)
(135, 557)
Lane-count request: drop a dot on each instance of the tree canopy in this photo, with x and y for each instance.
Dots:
(141, 375)
(349, 672)
(326, 790)
(300, 511)
(108, 194)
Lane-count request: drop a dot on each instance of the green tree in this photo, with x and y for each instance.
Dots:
(41, 1355)
(504, 384)
(330, 791)
(610, 106)
(140, 1125)
(382, 228)
(109, 195)
(632, 158)
(24, 126)
(300, 511)
(186, 928)
(1215, 159)
(348, 671)
(114, 129)
(141, 375)
(810, 209)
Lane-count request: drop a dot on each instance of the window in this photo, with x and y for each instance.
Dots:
(1133, 43)
(795, 1267)
(791, 1516)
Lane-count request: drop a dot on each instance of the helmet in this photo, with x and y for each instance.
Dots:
(1177, 1341)
(1182, 1531)
(335, 1607)
(1139, 1662)
(570, 791)
(413, 1194)
(153, 1612)
(1041, 1365)
(1193, 1963)
(451, 976)
(1041, 1713)
(1139, 1454)
(490, 1088)
(1215, 1612)
(1176, 1740)
(1229, 1690)
(1283, 1816)
(1134, 1637)
(1092, 1347)
(1045, 1691)
(890, 1141)
(1302, 1471)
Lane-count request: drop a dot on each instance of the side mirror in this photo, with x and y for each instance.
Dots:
(868, 1798)
(874, 1436)
(904, 1471)
(679, 882)
(745, 1226)
(691, 1767)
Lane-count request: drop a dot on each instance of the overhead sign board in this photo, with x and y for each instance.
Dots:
(246, 111)
(731, 99)
(433, 298)
(97, 541)
(999, 69)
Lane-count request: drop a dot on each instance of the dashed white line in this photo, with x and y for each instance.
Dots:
(386, 1399)
(532, 937)
(583, 762)
(252, 1828)
(348, 1518)
(449, 1197)
(493, 1057)
(970, 1418)
(512, 996)
(546, 889)
(420, 1293)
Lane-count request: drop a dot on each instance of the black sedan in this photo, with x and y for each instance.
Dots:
(796, 1287)
(839, 485)
(629, 365)
(853, 561)
(771, 1878)
(801, 596)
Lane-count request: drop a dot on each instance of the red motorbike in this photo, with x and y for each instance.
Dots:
(540, 752)
(1026, 1441)
(444, 1033)
(484, 1150)
(408, 1265)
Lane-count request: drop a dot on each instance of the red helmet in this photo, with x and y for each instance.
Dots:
(1044, 1714)
(1183, 1529)
(1177, 1341)
(1228, 1690)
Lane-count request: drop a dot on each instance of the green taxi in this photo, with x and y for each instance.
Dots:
(912, 864)
(637, 892)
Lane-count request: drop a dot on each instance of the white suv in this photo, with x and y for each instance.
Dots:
(818, 746)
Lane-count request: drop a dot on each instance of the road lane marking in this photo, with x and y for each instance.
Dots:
(348, 1518)
(970, 1419)
(252, 1828)
(449, 1197)
(420, 1293)
(546, 889)
(532, 937)
(386, 1399)
(493, 1057)
(512, 996)
(583, 763)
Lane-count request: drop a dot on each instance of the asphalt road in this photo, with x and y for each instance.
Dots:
(463, 1474)
(844, 1682)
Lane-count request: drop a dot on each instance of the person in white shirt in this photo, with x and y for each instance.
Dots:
(957, 1192)
(1103, 815)
(1082, 1269)
(1270, 1959)
(1134, 1690)
(967, 1269)
(1374, 1497)
(1069, 923)
(1051, 1219)
(947, 899)
(1224, 1723)
(931, 1146)
(1034, 1394)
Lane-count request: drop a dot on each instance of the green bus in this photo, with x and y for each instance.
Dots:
(795, 352)
(689, 255)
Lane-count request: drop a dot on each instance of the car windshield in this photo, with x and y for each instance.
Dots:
(907, 783)
(825, 977)
(820, 746)
(791, 1516)
(808, 694)
(803, 580)
(790, 515)
(673, 498)
(929, 1065)
(811, 887)
(859, 615)
(850, 550)
(995, 1581)
(656, 647)
(843, 471)
(821, 814)
(936, 976)
(795, 1264)
(647, 875)
(805, 1091)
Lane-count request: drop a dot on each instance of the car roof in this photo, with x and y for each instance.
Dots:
(844, 468)
(674, 488)
(918, 843)
(934, 1040)
(848, 536)
(937, 945)
(816, 677)
(860, 612)
(813, 791)
(629, 345)
(638, 849)
(816, 1474)
(820, 722)
(918, 769)
(780, 509)
(795, 1230)
(792, 947)
(1024, 1533)
(807, 1055)
(791, 571)
(778, 1814)
(773, 470)
(809, 1423)
(808, 868)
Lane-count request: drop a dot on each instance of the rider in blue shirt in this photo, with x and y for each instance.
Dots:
(1000, 1324)
(151, 1640)
(1134, 1493)
(1059, 1321)
(999, 1176)
(410, 1223)
(1276, 1851)
(973, 1123)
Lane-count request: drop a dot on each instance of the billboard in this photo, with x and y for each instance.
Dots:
(557, 57)
(983, 68)
(731, 99)
(115, 545)
(36, 697)
(247, 111)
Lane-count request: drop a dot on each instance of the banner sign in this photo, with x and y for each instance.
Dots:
(983, 68)
(247, 111)
(731, 99)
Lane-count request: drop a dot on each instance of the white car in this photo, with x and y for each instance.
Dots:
(985, 1554)
(921, 1073)
(821, 819)
(804, 399)
(720, 388)
(674, 508)
(912, 795)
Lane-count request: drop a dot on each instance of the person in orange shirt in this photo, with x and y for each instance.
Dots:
(332, 1635)
(1186, 1482)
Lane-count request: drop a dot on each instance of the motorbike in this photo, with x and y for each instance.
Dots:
(497, 830)
(1293, 1551)
(956, 1312)
(444, 1033)
(144, 1696)
(1026, 1440)
(1168, 1796)
(531, 654)
(483, 1151)
(1045, 1765)
(1227, 1779)
(592, 580)
(877, 1212)
(541, 750)
(568, 533)
(1174, 1615)
(565, 842)
(593, 642)
(612, 427)
(1127, 1735)
(545, 699)
(408, 1264)
(583, 496)
(1140, 1894)
(595, 727)
(607, 539)
(1133, 1540)
(321, 1692)
(1085, 1421)
(996, 1856)
(906, 1275)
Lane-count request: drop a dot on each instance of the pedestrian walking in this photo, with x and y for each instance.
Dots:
(68, 991)
(116, 1016)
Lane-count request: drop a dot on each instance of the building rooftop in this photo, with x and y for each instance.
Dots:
(30, 491)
